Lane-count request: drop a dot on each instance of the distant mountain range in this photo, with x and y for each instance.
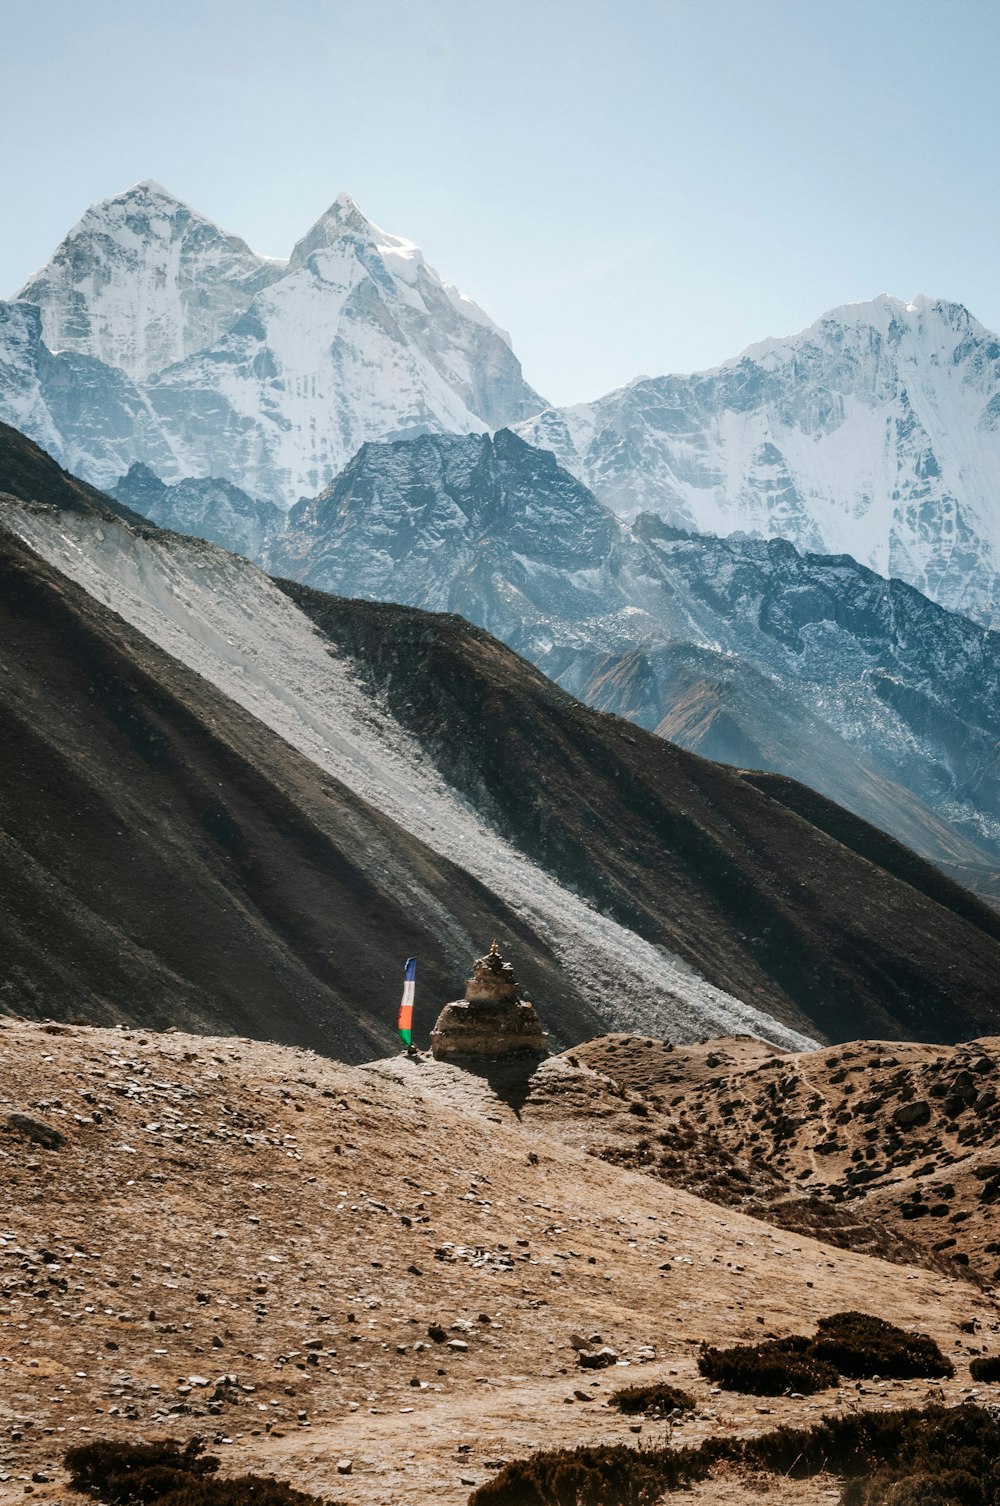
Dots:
(340, 417)
(745, 650)
(238, 806)
(152, 335)
(875, 433)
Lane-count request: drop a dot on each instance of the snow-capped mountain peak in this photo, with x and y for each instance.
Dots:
(920, 320)
(402, 259)
(875, 433)
(265, 373)
(343, 218)
(143, 280)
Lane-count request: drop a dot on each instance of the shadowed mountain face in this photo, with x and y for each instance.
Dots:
(30, 475)
(168, 860)
(765, 886)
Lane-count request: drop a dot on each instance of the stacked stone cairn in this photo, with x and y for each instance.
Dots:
(491, 1023)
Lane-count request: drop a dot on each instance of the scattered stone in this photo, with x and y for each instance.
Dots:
(598, 1359)
(36, 1130)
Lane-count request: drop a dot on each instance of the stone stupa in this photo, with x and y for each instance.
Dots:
(491, 1023)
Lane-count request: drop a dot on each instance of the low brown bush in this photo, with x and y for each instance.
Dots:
(772, 1368)
(656, 1397)
(986, 1367)
(168, 1473)
(935, 1456)
(861, 1346)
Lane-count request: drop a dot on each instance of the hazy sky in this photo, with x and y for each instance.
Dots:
(632, 186)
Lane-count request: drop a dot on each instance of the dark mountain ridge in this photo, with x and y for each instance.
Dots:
(753, 879)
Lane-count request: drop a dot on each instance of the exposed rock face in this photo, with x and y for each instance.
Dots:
(491, 1021)
(209, 509)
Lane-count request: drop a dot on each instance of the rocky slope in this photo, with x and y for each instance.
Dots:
(876, 1144)
(745, 650)
(674, 894)
(267, 374)
(170, 860)
(640, 826)
(875, 433)
(228, 826)
(226, 1241)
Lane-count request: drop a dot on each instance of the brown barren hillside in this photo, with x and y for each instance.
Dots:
(165, 858)
(882, 1144)
(308, 1263)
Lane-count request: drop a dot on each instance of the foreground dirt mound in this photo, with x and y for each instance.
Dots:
(309, 1264)
(892, 1147)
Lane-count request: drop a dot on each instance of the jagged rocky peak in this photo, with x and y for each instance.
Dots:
(483, 525)
(343, 218)
(143, 280)
(490, 1023)
(207, 507)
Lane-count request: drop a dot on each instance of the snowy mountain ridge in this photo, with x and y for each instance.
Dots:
(166, 341)
(264, 373)
(875, 433)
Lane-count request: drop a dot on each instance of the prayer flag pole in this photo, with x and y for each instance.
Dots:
(406, 1004)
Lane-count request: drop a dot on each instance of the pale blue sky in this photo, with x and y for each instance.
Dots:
(639, 186)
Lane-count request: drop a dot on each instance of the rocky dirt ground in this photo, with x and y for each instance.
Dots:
(309, 1264)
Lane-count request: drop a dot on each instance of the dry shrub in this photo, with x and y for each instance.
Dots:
(935, 1456)
(850, 1343)
(133, 1474)
(861, 1346)
(169, 1473)
(772, 1368)
(986, 1367)
(656, 1397)
(608, 1475)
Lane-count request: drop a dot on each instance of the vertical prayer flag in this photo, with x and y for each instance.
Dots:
(406, 1005)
